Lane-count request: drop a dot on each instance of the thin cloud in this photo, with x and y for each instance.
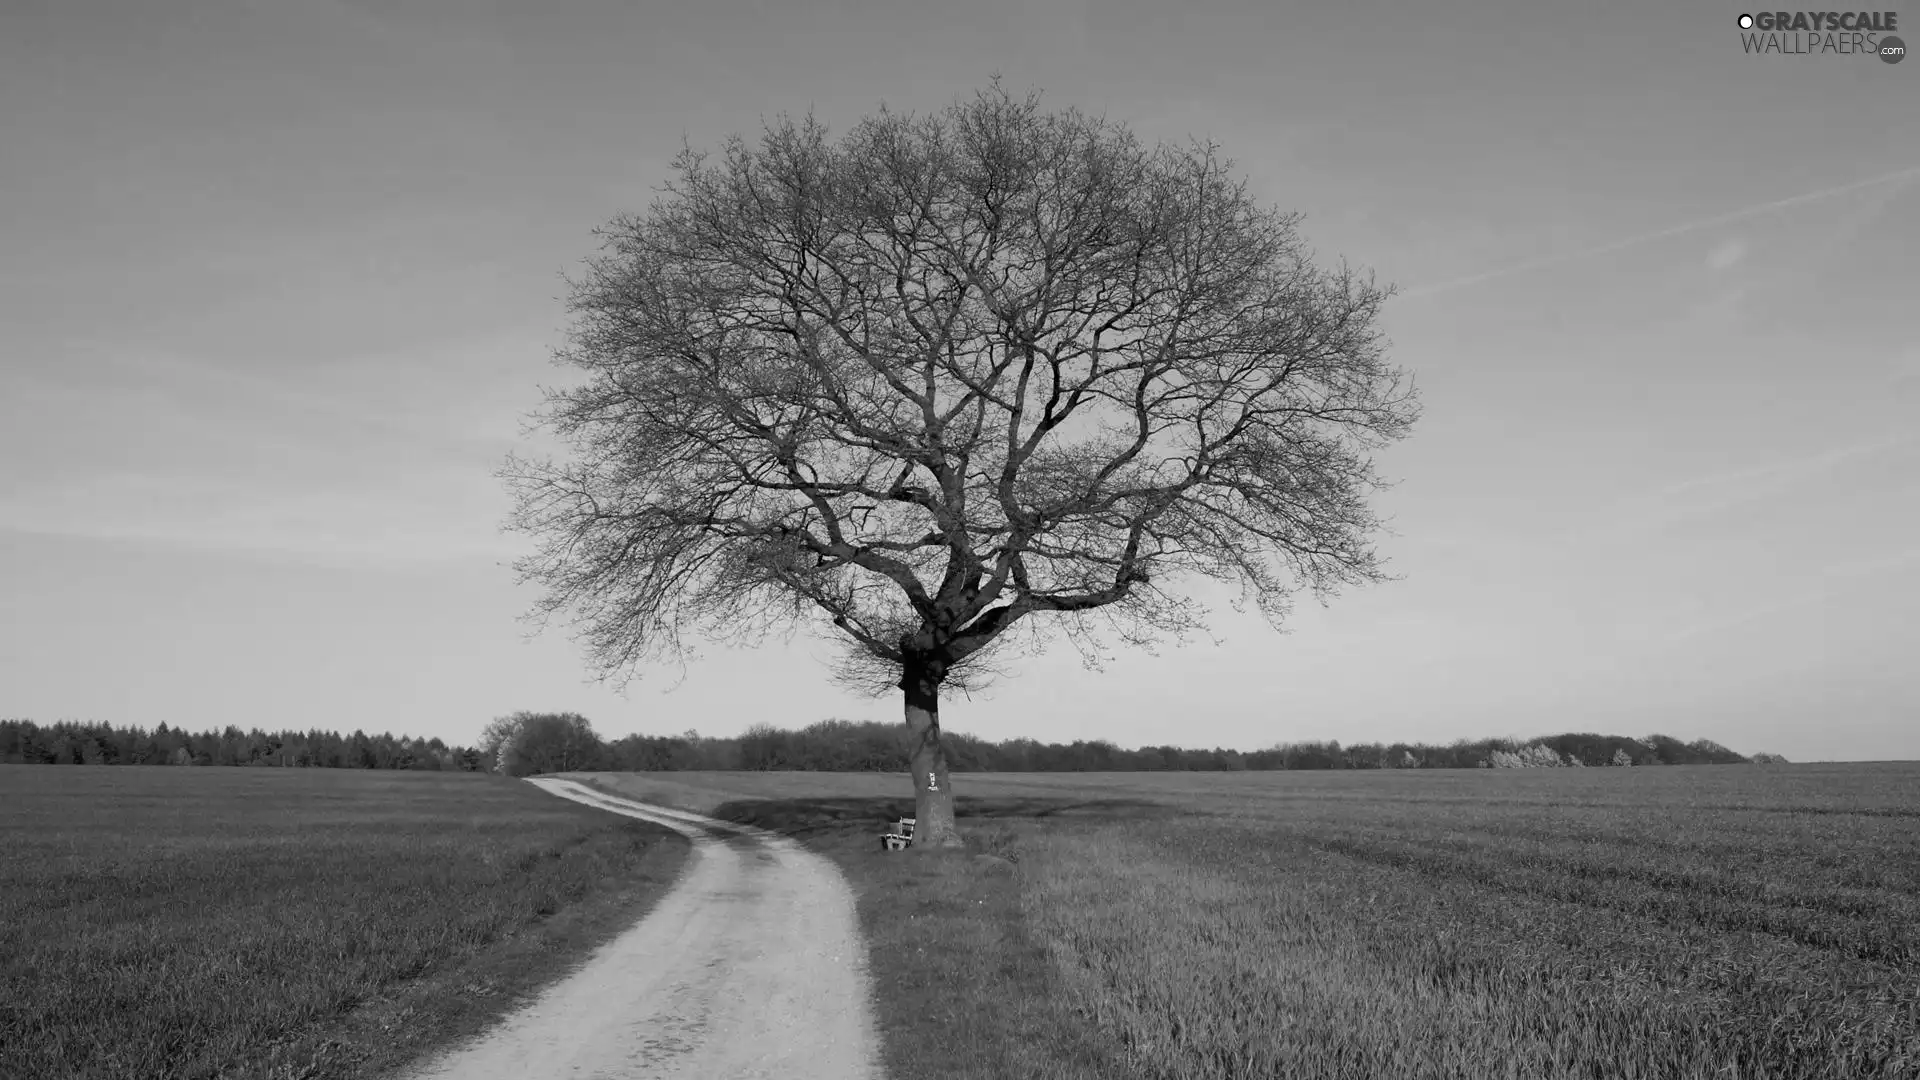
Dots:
(1835, 578)
(1905, 369)
(1727, 255)
(458, 426)
(368, 529)
(1789, 469)
(1705, 496)
(1661, 234)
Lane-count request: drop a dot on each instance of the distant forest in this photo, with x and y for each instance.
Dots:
(528, 743)
(23, 742)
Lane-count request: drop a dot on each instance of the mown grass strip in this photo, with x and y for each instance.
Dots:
(961, 992)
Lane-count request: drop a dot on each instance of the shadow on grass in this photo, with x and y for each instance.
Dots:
(962, 990)
(807, 818)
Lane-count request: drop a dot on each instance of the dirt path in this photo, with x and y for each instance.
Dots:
(751, 967)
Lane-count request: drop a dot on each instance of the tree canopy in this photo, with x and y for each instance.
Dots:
(946, 373)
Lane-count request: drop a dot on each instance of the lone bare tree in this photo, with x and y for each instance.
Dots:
(940, 375)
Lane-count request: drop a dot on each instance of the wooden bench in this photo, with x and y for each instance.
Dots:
(900, 837)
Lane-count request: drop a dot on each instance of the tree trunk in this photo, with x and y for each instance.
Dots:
(933, 794)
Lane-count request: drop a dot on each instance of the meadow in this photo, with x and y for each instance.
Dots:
(1737, 922)
(160, 923)
(1675, 922)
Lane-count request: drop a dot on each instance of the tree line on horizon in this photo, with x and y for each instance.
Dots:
(23, 742)
(528, 743)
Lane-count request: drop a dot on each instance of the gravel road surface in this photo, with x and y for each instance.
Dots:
(752, 966)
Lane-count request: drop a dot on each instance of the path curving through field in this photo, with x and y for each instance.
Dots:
(751, 967)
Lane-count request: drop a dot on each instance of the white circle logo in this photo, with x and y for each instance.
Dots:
(1746, 22)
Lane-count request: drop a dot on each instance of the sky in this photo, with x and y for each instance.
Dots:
(281, 280)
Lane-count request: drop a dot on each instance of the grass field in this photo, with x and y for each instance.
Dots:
(1679, 922)
(290, 923)
(1682, 922)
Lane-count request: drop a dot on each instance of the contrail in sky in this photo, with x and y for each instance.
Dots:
(1661, 234)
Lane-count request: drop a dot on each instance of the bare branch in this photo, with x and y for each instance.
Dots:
(946, 373)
